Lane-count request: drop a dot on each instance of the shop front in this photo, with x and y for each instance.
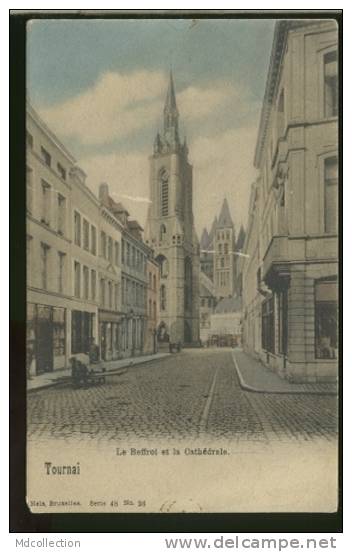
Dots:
(110, 335)
(46, 338)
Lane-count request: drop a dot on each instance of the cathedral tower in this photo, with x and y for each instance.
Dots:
(224, 258)
(170, 229)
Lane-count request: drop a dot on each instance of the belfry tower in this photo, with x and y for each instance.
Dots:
(170, 229)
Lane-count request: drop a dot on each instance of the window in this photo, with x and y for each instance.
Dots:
(330, 84)
(162, 297)
(44, 254)
(164, 193)
(29, 140)
(93, 284)
(123, 291)
(128, 254)
(103, 245)
(222, 262)
(45, 218)
(59, 331)
(154, 282)
(150, 308)
(86, 234)
(133, 257)
(268, 327)
(282, 198)
(110, 249)
(220, 248)
(162, 232)
(116, 253)
(61, 214)
(127, 299)
(164, 265)
(81, 331)
(61, 171)
(85, 282)
(123, 251)
(77, 225)
(77, 276)
(226, 248)
(331, 194)
(93, 241)
(154, 310)
(46, 156)
(116, 286)
(102, 292)
(326, 319)
(127, 342)
(150, 279)
(203, 302)
(29, 187)
(61, 271)
(110, 294)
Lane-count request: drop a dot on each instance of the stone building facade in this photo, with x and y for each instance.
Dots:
(62, 305)
(86, 262)
(132, 258)
(290, 275)
(109, 280)
(170, 230)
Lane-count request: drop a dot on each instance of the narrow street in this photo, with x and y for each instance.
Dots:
(188, 395)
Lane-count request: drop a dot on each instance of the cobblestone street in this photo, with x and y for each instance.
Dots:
(192, 394)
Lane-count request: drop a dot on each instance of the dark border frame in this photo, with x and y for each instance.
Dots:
(21, 519)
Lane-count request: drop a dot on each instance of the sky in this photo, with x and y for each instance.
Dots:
(100, 85)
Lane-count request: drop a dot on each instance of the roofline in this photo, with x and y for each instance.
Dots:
(282, 28)
(33, 113)
(277, 49)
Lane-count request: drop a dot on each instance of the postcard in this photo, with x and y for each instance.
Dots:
(182, 264)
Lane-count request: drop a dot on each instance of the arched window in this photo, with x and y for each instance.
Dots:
(164, 192)
(164, 265)
(162, 232)
(162, 297)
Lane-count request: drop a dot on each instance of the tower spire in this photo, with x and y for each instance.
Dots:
(170, 102)
(171, 114)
